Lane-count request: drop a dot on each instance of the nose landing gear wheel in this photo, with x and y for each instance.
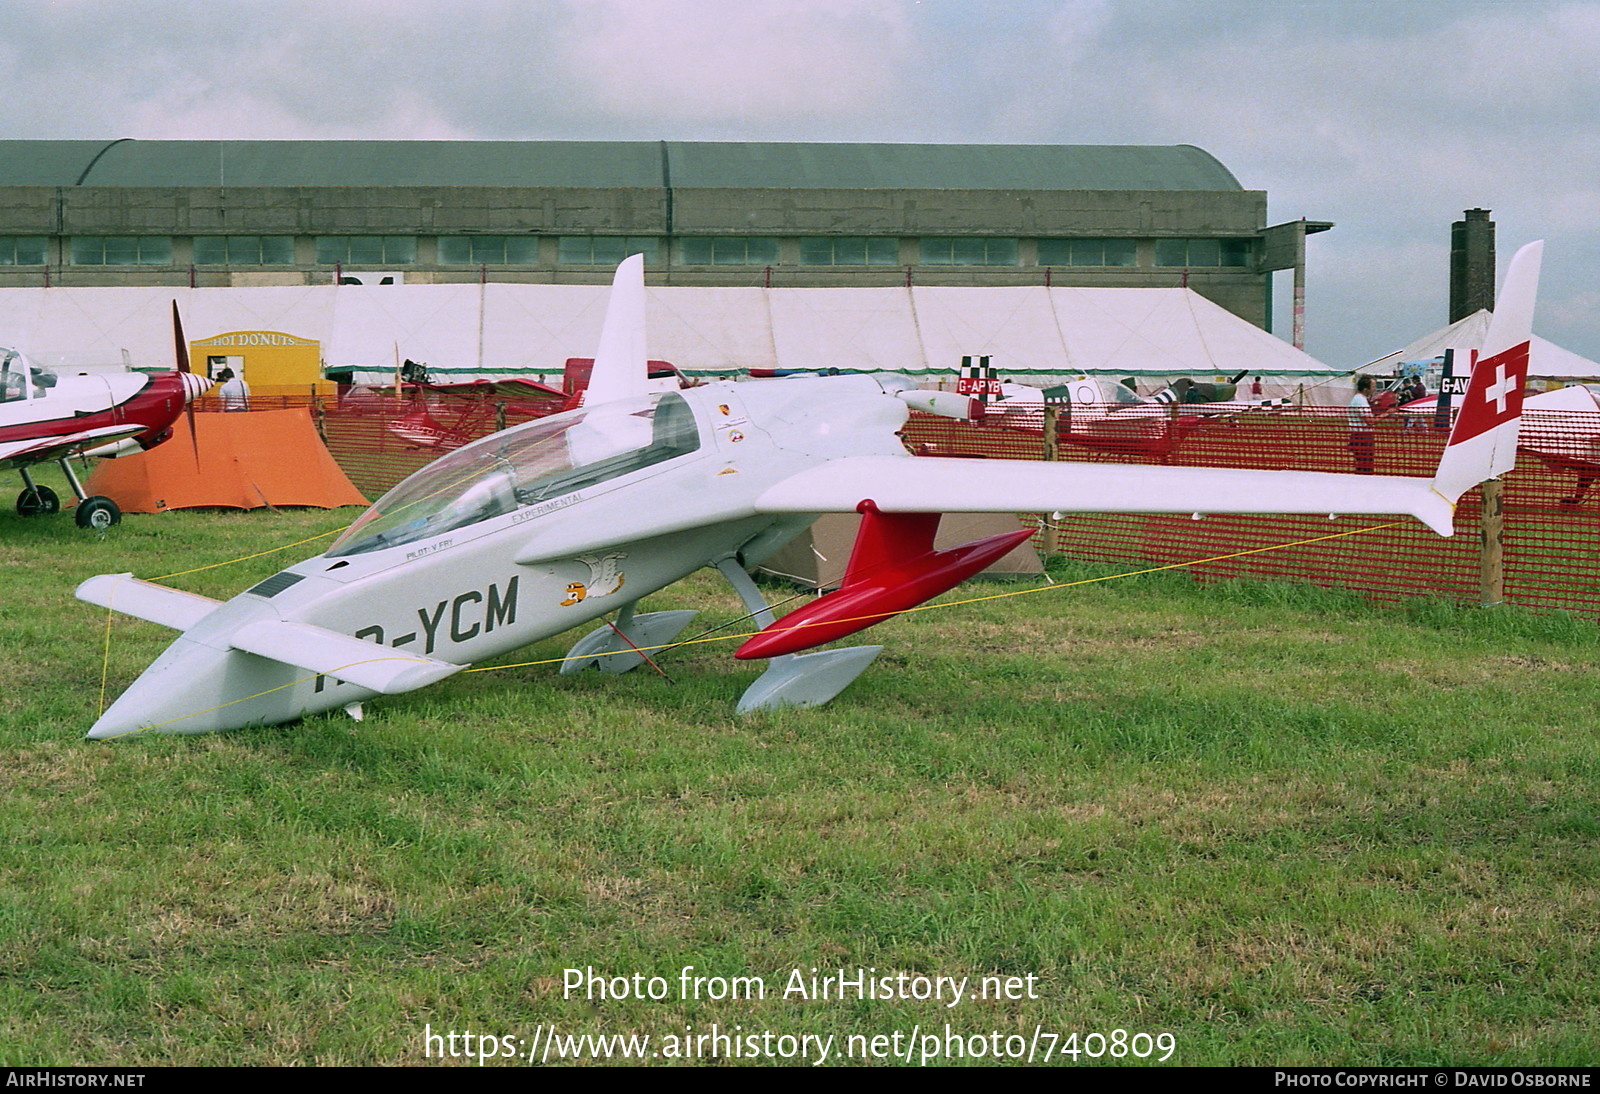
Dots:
(37, 501)
(98, 513)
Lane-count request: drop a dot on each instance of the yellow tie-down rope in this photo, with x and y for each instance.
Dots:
(258, 554)
(105, 657)
(747, 634)
(978, 599)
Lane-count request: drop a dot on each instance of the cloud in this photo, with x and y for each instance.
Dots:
(1389, 119)
(733, 63)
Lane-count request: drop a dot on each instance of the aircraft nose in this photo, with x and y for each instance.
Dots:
(196, 688)
(156, 701)
(109, 728)
(194, 386)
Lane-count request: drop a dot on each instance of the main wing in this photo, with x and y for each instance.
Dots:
(1481, 446)
(923, 485)
(42, 449)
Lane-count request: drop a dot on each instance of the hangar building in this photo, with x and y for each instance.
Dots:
(259, 213)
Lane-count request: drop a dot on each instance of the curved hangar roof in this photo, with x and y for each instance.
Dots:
(613, 164)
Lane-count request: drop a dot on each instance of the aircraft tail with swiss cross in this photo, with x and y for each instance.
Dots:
(1483, 443)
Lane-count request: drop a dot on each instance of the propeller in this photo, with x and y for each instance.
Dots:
(193, 386)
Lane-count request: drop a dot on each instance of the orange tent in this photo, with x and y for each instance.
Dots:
(245, 461)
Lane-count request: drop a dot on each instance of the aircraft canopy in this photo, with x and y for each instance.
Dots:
(542, 460)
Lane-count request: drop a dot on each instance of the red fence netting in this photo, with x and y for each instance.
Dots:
(1551, 531)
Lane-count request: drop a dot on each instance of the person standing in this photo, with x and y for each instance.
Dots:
(234, 393)
(1360, 422)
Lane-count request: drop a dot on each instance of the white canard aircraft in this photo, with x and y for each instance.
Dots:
(555, 523)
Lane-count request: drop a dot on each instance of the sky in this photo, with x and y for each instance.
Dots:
(1387, 117)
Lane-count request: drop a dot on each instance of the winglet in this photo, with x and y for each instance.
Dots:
(620, 368)
(1483, 443)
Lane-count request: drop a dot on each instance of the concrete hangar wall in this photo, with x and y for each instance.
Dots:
(209, 213)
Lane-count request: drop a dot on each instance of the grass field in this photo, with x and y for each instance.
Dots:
(1281, 825)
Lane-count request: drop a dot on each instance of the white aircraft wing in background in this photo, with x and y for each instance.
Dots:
(1019, 486)
(42, 449)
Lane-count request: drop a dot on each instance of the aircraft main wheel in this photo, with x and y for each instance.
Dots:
(98, 513)
(37, 501)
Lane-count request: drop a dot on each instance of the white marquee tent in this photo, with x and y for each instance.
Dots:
(516, 329)
(1546, 360)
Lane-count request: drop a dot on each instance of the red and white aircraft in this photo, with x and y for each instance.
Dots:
(45, 418)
